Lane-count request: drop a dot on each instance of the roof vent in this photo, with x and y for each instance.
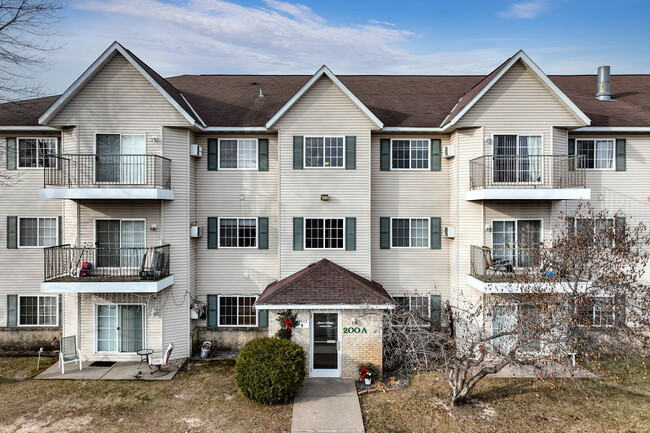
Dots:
(604, 93)
(261, 95)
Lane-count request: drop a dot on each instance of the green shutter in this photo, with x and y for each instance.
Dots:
(263, 318)
(213, 150)
(384, 144)
(12, 310)
(212, 311)
(571, 150)
(620, 154)
(436, 241)
(11, 153)
(620, 229)
(59, 151)
(213, 228)
(436, 310)
(384, 230)
(12, 232)
(60, 238)
(436, 144)
(351, 234)
(620, 310)
(297, 151)
(263, 233)
(297, 233)
(571, 230)
(350, 152)
(60, 323)
(263, 154)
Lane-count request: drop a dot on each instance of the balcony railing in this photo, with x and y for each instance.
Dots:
(532, 171)
(108, 171)
(498, 264)
(64, 263)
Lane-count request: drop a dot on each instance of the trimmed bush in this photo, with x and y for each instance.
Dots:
(270, 370)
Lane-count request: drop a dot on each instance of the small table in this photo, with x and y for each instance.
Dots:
(144, 356)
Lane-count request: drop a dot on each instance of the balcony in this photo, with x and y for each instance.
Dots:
(93, 176)
(532, 177)
(69, 269)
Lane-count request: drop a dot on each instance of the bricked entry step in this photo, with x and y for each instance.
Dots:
(327, 405)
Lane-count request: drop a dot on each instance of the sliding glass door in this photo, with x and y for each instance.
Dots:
(120, 243)
(517, 159)
(120, 158)
(120, 328)
(512, 239)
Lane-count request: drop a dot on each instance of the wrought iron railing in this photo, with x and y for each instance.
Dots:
(532, 171)
(107, 171)
(68, 263)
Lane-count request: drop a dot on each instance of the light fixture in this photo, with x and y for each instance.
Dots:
(242, 197)
(324, 197)
(488, 227)
(601, 196)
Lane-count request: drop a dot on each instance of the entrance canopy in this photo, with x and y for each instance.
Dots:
(324, 285)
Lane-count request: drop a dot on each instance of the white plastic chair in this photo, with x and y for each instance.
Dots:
(69, 352)
(159, 363)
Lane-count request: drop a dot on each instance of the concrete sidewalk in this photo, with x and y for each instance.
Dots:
(327, 405)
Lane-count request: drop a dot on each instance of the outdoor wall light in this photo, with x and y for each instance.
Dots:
(324, 197)
(242, 197)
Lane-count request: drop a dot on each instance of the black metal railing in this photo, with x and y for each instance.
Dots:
(68, 263)
(532, 171)
(97, 171)
(498, 264)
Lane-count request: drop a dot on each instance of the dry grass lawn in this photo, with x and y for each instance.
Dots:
(204, 399)
(617, 403)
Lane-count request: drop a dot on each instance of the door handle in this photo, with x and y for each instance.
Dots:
(118, 328)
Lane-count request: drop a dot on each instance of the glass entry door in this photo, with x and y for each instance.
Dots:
(325, 345)
(120, 328)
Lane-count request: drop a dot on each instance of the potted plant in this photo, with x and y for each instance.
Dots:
(368, 372)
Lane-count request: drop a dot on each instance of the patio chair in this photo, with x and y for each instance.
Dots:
(159, 363)
(496, 265)
(69, 352)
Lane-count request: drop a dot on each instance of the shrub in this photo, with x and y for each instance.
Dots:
(270, 370)
(375, 373)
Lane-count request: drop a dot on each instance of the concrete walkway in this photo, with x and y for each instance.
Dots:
(327, 405)
(122, 370)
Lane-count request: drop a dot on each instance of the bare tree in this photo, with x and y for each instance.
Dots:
(584, 295)
(25, 31)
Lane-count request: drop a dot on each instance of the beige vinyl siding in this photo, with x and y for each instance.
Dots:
(325, 111)
(21, 269)
(410, 194)
(518, 104)
(219, 194)
(88, 325)
(70, 319)
(560, 141)
(518, 210)
(470, 217)
(118, 99)
(176, 221)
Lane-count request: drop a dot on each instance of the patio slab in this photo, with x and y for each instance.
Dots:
(121, 370)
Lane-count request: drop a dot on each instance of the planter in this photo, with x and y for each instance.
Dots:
(367, 381)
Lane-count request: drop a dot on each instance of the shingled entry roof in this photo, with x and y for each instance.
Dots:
(324, 283)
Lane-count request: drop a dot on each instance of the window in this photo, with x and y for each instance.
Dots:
(237, 311)
(34, 152)
(510, 239)
(410, 154)
(410, 232)
(598, 154)
(38, 310)
(324, 152)
(601, 226)
(598, 312)
(507, 318)
(237, 232)
(324, 233)
(37, 232)
(238, 153)
(420, 306)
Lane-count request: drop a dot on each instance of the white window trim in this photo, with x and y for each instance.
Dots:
(428, 219)
(516, 241)
(593, 314)
(38, 304)
(257, 154)
(304, 152)
(257, 232)
(613, 140)
(304, 231)
(219, 325)
(427, 297)
(121, 134)
(410, 139)
(516, 307)
(612, 219)
(117, 340)
(535, 134)
(120, 220)
(56, 151)
(38, 226)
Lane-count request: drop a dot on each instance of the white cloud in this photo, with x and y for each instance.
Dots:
(531, 9)
(382, 23)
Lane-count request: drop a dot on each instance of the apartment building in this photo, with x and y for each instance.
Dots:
(143, 211)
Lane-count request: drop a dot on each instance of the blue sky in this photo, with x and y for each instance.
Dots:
(353, 36)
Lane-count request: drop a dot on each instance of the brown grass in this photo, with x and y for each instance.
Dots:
(204, 399)
(616, 403)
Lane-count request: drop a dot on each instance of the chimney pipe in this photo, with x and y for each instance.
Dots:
(604, 93)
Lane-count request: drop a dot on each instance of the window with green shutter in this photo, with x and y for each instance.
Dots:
(11, 153)
(212, 311)
(298, 226)
(384, 145)
(263, 154)
(12, 310)
(436, 229)
(351, 152)
(571, 151)
(12, 232)
(213, 154)
(263, 233)
(620, 154)
(436, 145)
(384, 232)
(298, 141)
(213, 233)
(436, 310)
(351, 234)
(263, 318)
